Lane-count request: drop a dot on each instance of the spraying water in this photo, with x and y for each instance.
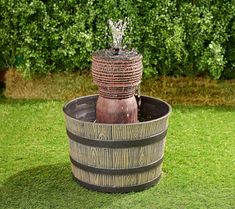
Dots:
(117, 29)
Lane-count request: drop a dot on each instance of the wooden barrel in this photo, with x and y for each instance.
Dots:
(116, 157)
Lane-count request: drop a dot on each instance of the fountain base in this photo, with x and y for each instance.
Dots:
(116, 157)
(116, 111)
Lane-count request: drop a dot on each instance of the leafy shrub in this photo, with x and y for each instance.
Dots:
(178, 37)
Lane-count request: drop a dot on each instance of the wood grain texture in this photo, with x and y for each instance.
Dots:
(116, 180)
(116, 158)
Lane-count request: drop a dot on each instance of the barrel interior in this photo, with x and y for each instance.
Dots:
(84, 109)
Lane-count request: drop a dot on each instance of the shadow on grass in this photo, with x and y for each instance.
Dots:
(50, 186)
(2, 89)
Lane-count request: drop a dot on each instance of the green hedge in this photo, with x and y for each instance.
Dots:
(175, 37)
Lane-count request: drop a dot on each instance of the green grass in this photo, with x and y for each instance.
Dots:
(198, 169)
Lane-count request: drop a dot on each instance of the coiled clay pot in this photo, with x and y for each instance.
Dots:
(117, 77)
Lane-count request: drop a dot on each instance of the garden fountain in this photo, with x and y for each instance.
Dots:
(116, 143)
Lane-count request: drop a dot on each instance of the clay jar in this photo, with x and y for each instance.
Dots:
(117, 77)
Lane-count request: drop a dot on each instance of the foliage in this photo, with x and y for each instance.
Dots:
(178, 37)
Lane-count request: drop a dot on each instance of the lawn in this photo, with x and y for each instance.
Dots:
(198, 169)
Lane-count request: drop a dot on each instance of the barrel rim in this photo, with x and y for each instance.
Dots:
(114, 124)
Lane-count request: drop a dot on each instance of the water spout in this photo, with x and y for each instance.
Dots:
(117, 29)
